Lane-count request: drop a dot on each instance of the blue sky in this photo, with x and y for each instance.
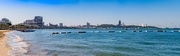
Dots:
(162, 13)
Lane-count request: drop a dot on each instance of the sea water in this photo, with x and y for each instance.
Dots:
(95, 42)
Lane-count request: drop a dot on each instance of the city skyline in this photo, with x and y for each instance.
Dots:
(161, 13)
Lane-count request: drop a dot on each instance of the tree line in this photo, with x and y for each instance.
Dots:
(9, 26)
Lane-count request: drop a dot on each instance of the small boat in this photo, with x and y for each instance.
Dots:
(175, 31)
(133, 30)
(18, 29)
(55, 33)
(82, 32)
(139, 30)
(27, 30)
(63, 32)
(68, 32)
(176, 28)
(122, 31)
(111, 31)
(148, 31)
(126, 29)
(160, 30)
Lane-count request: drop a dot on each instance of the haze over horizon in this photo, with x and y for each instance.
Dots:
(161, 13)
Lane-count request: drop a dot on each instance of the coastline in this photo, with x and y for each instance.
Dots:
(4, 47)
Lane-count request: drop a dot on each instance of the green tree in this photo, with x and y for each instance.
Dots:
(8, 24)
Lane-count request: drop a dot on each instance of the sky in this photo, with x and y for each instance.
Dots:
(161, 13)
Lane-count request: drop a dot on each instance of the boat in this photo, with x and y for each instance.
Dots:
(160, 30)
(27, 30)
(63, 32)
(68, 32)
(133, 30)
(122, 31)
(111, 31)
(18, 29)
(82, 32)
(175, 31)
(176, 28)
(148, 31)
(139, 30)
(55, 33)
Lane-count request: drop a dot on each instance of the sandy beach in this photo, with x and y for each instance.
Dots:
(4, 48)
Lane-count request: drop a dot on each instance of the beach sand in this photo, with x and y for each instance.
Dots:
(4, 48)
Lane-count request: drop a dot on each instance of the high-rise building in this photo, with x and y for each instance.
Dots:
(88, 25)
(122, 25)
(60, 24)
(119, 25)
(39, 21)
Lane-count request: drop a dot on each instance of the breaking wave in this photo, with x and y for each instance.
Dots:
(19, 46)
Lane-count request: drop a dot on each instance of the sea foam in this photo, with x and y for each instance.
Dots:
(19, 46)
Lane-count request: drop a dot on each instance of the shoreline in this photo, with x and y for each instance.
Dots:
(4, 47)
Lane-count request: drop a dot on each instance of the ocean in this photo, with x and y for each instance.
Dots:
(95, 42)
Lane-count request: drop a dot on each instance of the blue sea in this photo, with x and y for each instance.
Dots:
(95, 42)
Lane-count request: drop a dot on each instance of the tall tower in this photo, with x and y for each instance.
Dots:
(88, 25)
(119, 25)
(60, 24)
(39, 21)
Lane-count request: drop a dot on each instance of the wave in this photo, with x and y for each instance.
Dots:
(19, 46)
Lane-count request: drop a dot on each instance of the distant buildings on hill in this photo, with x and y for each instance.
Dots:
(53, 25)
(37, 21)
(4, 21)
(5, 24)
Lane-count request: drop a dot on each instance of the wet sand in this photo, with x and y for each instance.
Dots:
(4, 48)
